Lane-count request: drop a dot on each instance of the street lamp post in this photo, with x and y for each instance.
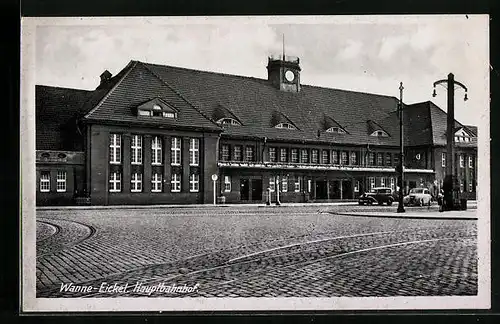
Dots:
(401, 208)
(448, 183)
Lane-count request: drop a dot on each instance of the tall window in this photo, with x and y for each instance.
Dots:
(382, 182)
(272, 183)
(380, 159)
(115, 148)
(392, 184)
(225, 152)
(396, 159)
(354, 158)
(344, 158)
(249, 154)
(156, 151)
(194, 151)
(194, 183)
(272, 154)
(462, 160)
(45, 181)
(304, 156)
(115, 181)
(388, 159)
(298, 180)
(61, 181)
(443, 159)
(136, 149)
(175, 150)
(470, 185)
(156, 182)
(356, 186)
(295, 156)
(283, 155)
(371, 158)
(325, 157)
(237, 153)
(372, 183)
(227, 184)
(470, 162)
(461, 185)
(335, 157)
(314, 156)
(175, 182)
(284, 184)
(136, 182)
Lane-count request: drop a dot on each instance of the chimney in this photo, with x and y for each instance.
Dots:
(105, 77)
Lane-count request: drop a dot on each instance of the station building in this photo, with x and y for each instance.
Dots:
(155, 134)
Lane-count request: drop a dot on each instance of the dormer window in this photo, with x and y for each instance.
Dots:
(228, 121)
(336, 130)
(285, 125)
(156, 108)
(379, 133)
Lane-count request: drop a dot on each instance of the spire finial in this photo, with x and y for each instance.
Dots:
(283, 46)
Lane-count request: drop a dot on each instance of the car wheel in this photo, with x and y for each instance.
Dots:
(389, 202)
(370, 202)
(429, 203)
(421, 202)
(379, 203)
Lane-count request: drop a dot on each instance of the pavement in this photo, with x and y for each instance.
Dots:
(306, 251)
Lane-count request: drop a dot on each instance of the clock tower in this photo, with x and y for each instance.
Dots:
(284, 72)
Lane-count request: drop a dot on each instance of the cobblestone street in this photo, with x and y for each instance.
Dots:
(254, 251)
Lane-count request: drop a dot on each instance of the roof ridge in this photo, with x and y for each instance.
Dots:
(177, 93)
(61, 88)
(261, 79)
(131, 65)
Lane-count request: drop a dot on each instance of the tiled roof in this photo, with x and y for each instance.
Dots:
(56, 111)
(439, 123)
(472, 129)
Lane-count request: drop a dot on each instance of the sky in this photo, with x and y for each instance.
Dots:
(364, 53)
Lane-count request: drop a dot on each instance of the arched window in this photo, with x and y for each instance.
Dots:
(379, 133)
(285, 125)
(228, 121)
(336, 130)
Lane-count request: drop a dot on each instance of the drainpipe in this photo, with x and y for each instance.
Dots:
(278, 191)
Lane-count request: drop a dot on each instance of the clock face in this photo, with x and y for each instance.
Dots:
(289, 76)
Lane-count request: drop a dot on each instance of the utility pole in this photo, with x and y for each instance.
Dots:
(401, 208)
(449, 179)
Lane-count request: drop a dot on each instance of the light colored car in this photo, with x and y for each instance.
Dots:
(418, 197)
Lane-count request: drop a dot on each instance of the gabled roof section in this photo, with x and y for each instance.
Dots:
(372, 127)
(464, 129)
(221, 112)
(56, 114)
(149, 104)
(472, 129)
(279, 118)
(139, 85)
(439, 124)
(328, 123)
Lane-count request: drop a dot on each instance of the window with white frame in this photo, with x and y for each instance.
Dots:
(295, 156)
(382, 182)
(380, 159)
(372, 183)
(461, 161)
(237, 153)
(354, 158)
(194, 182)
(175, 182)
(156, 151)
(156, 182)
(115, 181)
(272, 154)
(470, 162)
(284, 184)
(470, 186)
(283, 155)
(227, 184)
(344, 158)
(325, 157)
(335, 157)
(249, 154)
(61, 181)
(115, 148)
(388, 159)
(224, 154)
(175, 149)
(356, 186)
(461, 185)
(371, 158)
(304, 156)
(309, 185)
(194, 151)
(45, 181)
(136, 149)
(272, 183)
(443, 159)
(136, 182)
(314, 156)
(392, 184)
(298, 180)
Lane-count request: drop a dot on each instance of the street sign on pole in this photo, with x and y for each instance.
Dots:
(214, 179)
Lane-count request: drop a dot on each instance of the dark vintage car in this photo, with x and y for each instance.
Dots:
(378, 195)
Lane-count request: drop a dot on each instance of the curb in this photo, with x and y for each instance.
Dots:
(405, 217)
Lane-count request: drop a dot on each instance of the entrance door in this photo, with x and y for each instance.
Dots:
(321, 191)
(257, 189)
(346, 189)
(244, 189)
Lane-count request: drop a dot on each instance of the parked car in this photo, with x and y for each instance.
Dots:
(377, 195)
(418, 197)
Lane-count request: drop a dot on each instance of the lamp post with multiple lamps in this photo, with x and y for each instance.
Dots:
(449, 180)
(401, 208)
